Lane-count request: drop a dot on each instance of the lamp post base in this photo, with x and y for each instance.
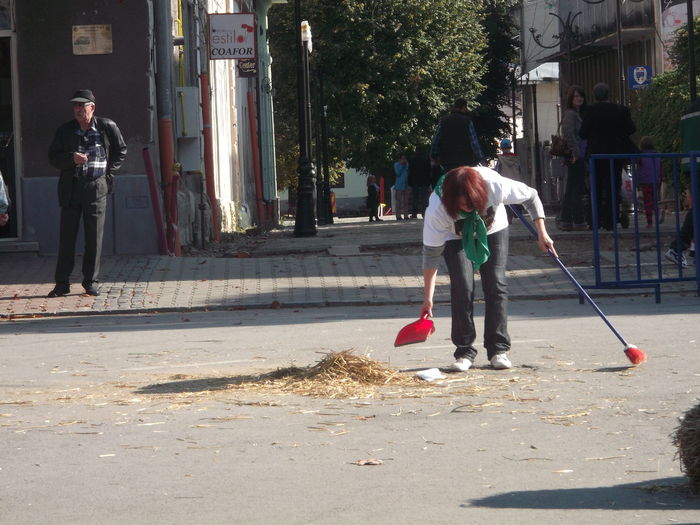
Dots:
(305, 222)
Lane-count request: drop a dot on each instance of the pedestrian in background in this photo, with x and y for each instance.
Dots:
(87, 151)
(508, 165)
(607, 127)
(466, 224)
(649, 177)
(373, 198)
(401, 188)
(683, 241)
(573, 212)
(419, 174)
(507, 162)
(690, 141)
(455, 142)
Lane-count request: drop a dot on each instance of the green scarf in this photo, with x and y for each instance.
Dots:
(473, 233)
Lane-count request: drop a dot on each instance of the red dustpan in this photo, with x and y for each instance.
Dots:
(415, 332)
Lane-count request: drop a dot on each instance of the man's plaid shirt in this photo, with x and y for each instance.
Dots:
(91, 145)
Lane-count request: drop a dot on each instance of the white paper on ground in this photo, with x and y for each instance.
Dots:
(431, 374)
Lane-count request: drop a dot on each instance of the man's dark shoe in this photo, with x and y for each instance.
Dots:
(59, 290)
(91, 290)
(624, 220)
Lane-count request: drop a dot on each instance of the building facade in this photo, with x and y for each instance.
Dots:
(192, 122)
(592, 42)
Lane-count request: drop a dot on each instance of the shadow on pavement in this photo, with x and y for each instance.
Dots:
(614, 369)
(396, 314)
(198, 385)
(672, 492)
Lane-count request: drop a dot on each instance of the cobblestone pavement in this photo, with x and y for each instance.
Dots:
(347, 263)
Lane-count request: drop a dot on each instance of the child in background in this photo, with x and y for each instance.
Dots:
(649, 178)
(373, 198)
(508, 165)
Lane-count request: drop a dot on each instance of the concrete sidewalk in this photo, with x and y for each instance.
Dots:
(348, 263)
(166, 420)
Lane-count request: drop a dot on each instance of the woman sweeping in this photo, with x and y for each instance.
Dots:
(466, 223)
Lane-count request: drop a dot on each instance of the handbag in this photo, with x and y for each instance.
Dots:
(559, 148)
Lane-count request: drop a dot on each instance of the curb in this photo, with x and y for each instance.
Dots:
(275, 305)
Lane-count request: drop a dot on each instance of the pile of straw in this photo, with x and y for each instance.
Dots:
(687, 439)
(338, 375)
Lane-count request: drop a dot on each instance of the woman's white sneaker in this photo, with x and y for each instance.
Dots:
(501, 361)
(461, 365)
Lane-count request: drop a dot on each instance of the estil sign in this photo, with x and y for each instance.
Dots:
(231, 35)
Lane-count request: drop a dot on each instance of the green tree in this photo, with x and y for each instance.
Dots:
(679, 49)
(500, 53)
(657, 110)
(390, 68)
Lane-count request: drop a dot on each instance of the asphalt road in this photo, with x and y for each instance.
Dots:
(155, 419)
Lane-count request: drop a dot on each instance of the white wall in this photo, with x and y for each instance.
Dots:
(349, 198)
(235, 183)
(548, 114)
(355, 186)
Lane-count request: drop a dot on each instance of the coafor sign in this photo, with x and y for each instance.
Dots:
(231, 35)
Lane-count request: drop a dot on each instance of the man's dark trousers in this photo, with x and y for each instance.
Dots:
(89, 202)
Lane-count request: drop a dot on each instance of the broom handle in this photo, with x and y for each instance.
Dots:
(573, 279)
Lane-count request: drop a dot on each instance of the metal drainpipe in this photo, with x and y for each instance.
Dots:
(207, 138)
(164, 57)
(262, 220)
(209, 153)
(265, 105)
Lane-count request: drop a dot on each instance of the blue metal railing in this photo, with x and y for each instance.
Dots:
(643, 271)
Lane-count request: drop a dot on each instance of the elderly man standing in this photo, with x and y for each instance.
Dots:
(87, 150)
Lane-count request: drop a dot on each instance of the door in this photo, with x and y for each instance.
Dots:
(7, 136)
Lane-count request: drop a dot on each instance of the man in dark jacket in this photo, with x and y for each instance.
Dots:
(419, 179)
(87, 150)
(607, 128)
(455, 142)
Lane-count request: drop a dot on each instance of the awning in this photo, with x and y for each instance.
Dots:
(548, 72)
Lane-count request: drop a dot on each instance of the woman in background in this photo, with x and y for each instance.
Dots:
(573, 213)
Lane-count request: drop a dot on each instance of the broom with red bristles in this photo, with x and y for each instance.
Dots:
(634, 354)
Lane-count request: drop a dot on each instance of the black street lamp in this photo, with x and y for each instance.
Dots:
(323, 186)
(320, 205)
(305, 222)
(328, 205)
(691, 53)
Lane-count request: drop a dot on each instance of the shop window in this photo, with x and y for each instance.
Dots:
(5, 14)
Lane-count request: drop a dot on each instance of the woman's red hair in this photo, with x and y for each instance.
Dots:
(464, 182)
